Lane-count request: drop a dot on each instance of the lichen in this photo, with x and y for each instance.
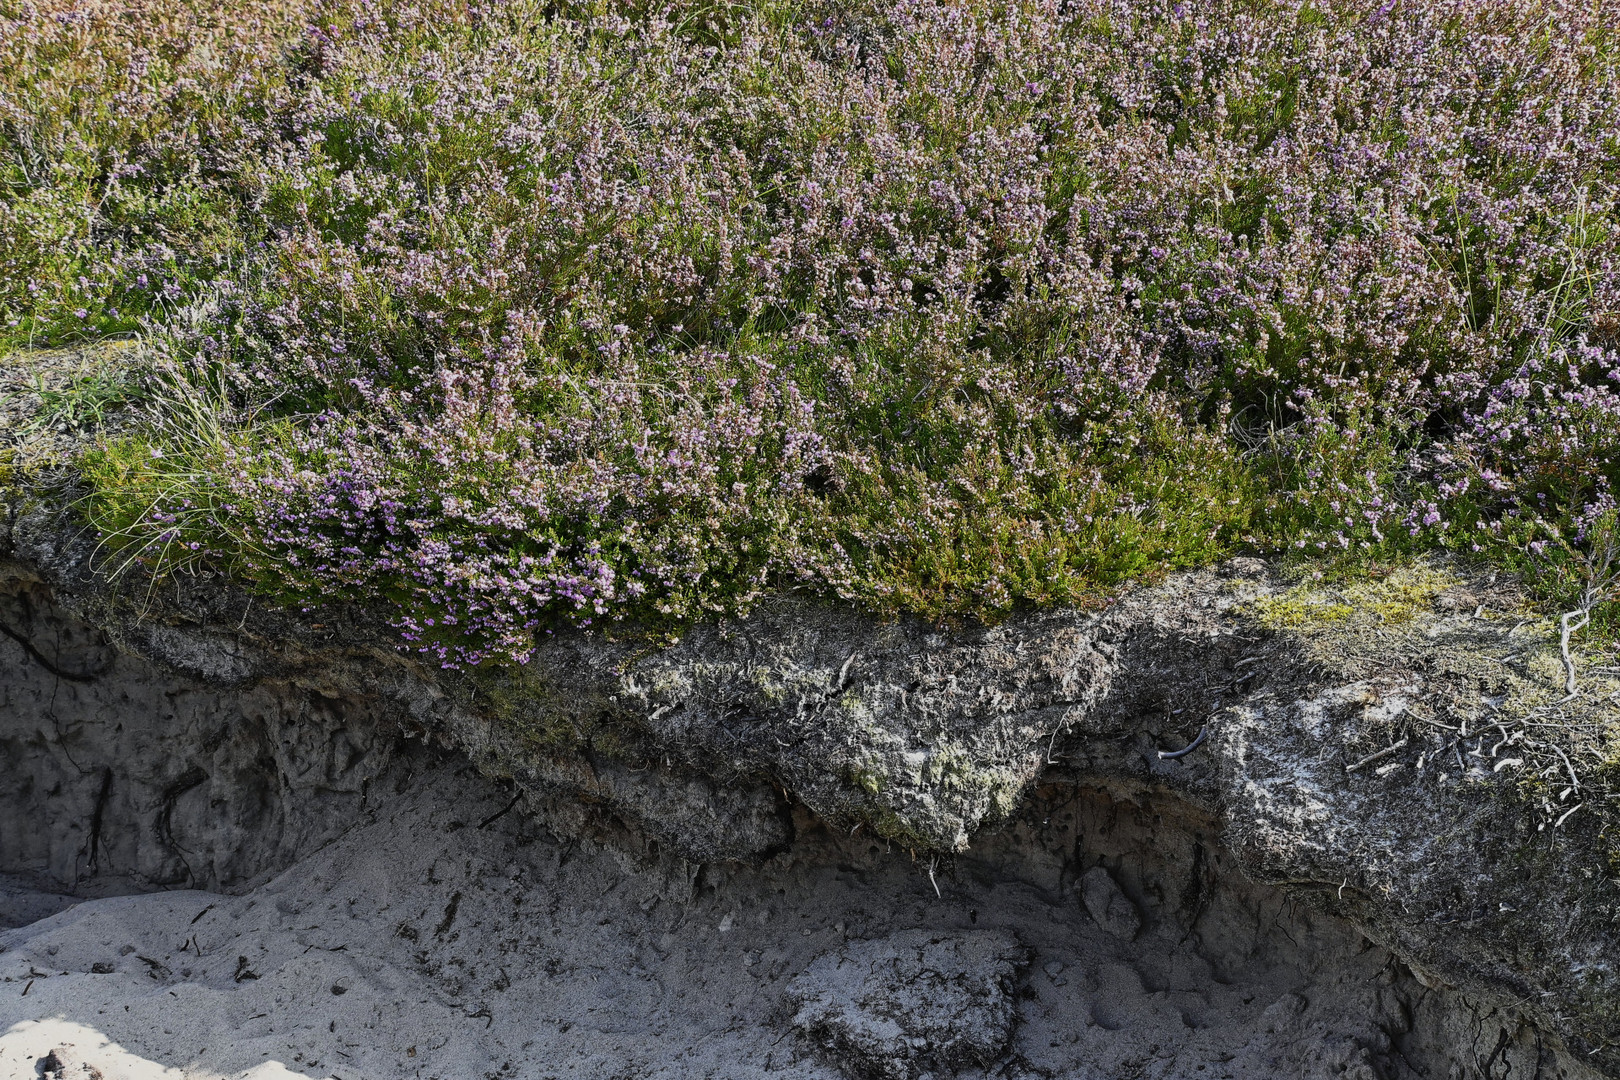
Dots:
(900, 829)
(1400, 596)
(537, 714)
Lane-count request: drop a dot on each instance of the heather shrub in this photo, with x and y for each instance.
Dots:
(499, 318)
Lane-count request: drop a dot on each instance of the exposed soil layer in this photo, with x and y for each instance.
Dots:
(378, 908)
(424, 943)
(122, 776)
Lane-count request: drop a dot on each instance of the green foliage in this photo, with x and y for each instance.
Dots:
(505, 318)
(85, 402)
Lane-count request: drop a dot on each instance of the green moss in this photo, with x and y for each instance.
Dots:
(1397, 597)
(531, 709)
(897, 828)
(871, 781)
(1293, 612)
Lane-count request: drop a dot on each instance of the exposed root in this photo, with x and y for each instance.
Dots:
(1566, 630)
(1170, 755)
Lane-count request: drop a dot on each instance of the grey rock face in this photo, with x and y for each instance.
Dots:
(915, 1001)
(918, 734)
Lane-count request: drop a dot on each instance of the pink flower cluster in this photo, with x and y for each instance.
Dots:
(574, 317)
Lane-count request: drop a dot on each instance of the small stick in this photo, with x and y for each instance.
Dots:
(1170, 755)
(1384, 753)
(502, 812)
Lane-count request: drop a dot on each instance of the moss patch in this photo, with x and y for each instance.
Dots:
(1493, 708)
(1397, 597)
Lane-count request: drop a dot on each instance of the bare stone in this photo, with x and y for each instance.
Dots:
(917, 1000)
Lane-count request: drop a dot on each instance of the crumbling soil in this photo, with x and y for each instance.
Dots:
(209, 875)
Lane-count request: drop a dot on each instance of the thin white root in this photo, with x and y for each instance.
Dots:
(1566, 630)
(1574, 780)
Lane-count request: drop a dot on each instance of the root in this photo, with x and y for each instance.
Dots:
(1567, 627)
(1171, 755)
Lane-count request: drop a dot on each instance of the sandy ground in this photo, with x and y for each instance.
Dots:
(425, 943)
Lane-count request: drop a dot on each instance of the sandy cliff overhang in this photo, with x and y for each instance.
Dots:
(1399, 758)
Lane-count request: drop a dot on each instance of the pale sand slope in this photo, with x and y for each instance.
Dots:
(421, 945)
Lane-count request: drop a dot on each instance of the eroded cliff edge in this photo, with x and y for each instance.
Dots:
(1363, 760)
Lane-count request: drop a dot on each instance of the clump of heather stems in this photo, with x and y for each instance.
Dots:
(523, 315)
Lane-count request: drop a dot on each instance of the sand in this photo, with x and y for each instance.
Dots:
(428, 943)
